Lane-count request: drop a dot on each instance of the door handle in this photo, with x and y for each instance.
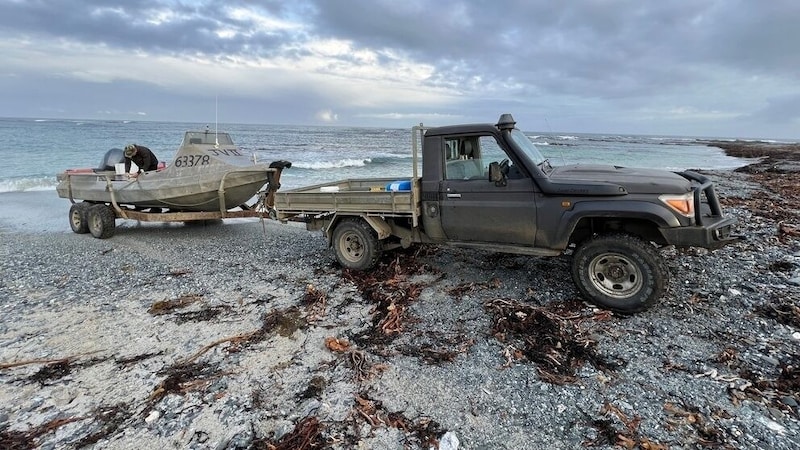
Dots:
(453, 195)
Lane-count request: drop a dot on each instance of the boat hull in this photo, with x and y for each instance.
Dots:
(175, 193)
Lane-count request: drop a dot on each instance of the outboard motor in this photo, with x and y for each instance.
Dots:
(112, 157)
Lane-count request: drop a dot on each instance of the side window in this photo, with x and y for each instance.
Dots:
(463, 158)
(491, 152)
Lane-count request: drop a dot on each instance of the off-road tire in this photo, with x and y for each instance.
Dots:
(78, 217)
(619, 272)
(356, 244)
(101, 220)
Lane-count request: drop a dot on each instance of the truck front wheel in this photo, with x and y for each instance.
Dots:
(619, 272)
(356, 244)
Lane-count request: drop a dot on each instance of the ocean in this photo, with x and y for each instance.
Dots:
(35, 150)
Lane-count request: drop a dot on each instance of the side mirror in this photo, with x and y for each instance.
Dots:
(496, 174)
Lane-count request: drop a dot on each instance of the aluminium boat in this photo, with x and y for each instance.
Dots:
(209, 179)
(208, 173)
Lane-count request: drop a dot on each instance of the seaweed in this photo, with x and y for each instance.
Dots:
(316, 386)
(363, 370)
(388, 288)
(314, 302)
(783, 310)
(201, 315)
(628, 436)
(461, 289)
(52, 371)
(183, 378)
(110, 419)
(441, 351)
(706, 434)
(58, 369)
(27, 439)
(306, 435)
(423, 432)
(165, 306)
(127, 361)
(548, 336)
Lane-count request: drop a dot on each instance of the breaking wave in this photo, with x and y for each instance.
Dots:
(338, 164)
(28, 184)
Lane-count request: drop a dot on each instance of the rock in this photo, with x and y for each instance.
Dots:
(282, 428)
(770, 360)
(449, 441)
(152, 417)
(775, 413)
(774, 426)
(789, 401)
(240, 439)
(62, 395)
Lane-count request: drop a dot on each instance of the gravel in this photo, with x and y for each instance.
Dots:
(710, 365)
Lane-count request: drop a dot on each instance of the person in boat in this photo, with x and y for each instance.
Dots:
(142, 156)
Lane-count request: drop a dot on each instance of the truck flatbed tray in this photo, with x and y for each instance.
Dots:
(362, 196)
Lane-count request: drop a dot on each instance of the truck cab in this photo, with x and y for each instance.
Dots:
(460, 202)
(491, 185)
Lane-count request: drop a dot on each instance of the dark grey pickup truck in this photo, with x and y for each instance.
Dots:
(488, 187)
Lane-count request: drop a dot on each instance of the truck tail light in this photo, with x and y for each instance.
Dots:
(682, 204)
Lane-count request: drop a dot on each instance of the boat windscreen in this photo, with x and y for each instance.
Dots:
(207, 137)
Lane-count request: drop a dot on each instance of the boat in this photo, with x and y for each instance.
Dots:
(208, 176)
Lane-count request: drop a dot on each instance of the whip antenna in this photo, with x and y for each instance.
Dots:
(216, 122)
(560, 151)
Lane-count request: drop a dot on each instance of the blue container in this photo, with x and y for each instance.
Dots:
(402, 185)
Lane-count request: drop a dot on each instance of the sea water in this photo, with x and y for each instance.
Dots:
(33, 151)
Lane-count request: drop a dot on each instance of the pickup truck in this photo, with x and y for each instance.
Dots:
(488, 187)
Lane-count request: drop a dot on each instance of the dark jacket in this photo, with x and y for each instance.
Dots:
(144, 158)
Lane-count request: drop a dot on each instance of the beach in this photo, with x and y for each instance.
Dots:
(247, 334)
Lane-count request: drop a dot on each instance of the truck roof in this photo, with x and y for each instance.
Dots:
(462, 129)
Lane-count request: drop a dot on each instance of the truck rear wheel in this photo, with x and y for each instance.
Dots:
(78, 219)
(619, 272)
(101, 221)
(356, 244)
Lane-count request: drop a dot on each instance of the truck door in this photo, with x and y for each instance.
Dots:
(475, 209)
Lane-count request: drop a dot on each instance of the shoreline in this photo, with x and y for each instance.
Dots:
(778, 170)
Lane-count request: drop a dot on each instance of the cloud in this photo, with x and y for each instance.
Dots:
(684, 66)
(327, 115)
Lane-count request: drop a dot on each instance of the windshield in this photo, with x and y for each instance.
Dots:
(527, 147)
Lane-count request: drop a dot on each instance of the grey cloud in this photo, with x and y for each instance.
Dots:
(780, 110)
(579, 60)
(128, 25)
(603, 49)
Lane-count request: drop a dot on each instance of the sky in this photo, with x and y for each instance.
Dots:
(714, 68)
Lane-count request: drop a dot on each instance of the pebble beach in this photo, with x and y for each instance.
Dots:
(247, 334)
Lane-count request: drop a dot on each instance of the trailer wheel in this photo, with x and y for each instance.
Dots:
(356, 244)
(78, 219)
(101, 221)
(619, 272)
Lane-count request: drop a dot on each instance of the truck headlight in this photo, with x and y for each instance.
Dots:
(682, 204)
